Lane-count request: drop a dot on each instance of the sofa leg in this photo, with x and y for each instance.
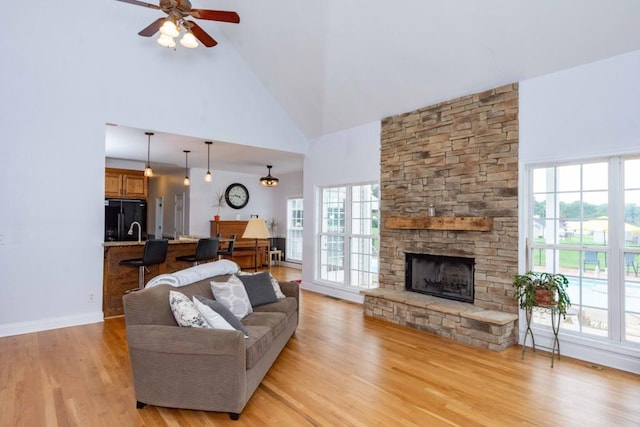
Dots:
(234, 416)
(140, 405)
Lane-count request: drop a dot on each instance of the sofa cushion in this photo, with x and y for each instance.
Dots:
(184, 311)
(274, 283)
(223, 311)
(233, 295)
(259, 289)
(288, 305)
(276, 322)
(259, 342)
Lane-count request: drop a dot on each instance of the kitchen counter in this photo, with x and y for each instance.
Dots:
(136, 243)
(118, 279)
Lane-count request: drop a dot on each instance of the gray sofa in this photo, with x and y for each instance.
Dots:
(203, 369)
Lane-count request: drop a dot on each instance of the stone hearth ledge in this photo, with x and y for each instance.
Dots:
(496, 337)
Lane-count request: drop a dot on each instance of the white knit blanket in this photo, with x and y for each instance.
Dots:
(195, 274)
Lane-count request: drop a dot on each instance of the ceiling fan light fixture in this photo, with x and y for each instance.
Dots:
(170, 29)
(269, 181)
(189, 40)
(166, 41)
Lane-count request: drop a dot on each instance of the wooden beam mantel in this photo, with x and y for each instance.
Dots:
(452, 223)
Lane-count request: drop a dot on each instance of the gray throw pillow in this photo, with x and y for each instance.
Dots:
(223, 311)
(259, 289)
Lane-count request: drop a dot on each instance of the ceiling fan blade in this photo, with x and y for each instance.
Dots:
(201, 35)
(215, 15)
(141, 3)
(152, 28)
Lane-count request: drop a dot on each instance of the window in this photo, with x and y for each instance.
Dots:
(348, 239)
(295, 222)
(584, 222)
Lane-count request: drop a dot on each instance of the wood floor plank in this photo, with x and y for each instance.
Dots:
(339, 369)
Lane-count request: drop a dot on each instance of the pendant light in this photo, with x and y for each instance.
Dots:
(148, 172)
(269, 181)
(186, 181)
(208, 176)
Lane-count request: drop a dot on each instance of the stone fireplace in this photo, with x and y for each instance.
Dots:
(462, 157)
(441, 276)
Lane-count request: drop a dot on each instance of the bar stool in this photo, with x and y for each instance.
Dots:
(229, 250)
(155, 252)
(206, 249)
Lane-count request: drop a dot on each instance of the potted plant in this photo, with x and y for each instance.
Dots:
(536, 289)
(219, 204)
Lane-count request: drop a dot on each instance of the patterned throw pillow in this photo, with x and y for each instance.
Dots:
(259, 289)
(221, 310)
(233, 295)
(274, 282)
(184, 311)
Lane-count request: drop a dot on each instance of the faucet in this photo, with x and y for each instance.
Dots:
(130, 232)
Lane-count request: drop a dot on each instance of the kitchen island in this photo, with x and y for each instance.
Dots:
(118, 279)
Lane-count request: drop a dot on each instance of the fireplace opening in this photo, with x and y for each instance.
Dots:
(442, 276)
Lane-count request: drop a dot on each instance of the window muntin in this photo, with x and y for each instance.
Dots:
(574, 231)
(295, 227)
(349, 230)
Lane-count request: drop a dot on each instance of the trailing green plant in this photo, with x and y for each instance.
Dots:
(528, 286)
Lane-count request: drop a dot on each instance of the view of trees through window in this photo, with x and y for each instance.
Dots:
(585, 223)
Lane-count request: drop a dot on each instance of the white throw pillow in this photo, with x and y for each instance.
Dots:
(185, 312)
(212, 318)
(274, 283)
(233, 295)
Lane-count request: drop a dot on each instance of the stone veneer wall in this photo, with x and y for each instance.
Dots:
(461, 156)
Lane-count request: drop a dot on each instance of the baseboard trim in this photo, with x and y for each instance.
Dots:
(590, 351)
(20, 328)
(332, 291)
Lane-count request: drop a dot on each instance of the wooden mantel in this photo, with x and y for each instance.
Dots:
(452, 223)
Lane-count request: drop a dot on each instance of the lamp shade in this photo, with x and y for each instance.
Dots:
(256, 229)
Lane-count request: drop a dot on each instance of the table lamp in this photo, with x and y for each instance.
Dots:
(256, 229)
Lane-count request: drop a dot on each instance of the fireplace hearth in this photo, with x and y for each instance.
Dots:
(449, 277)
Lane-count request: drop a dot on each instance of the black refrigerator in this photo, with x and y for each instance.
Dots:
(119, 215)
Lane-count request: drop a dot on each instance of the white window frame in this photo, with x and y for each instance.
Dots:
(368, 268)
(294, 245)
(614, 249)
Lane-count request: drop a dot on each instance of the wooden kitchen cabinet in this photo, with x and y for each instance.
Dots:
(126, 184)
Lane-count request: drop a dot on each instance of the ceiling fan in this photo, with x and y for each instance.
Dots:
(178, 11)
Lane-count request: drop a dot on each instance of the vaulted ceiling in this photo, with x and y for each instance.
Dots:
(337, 64)
(334, 65)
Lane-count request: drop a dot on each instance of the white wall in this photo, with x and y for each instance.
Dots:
(262, 201)
(64, 86)
(346, 157)
(585, 112)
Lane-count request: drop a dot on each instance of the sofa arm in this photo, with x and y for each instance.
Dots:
(180, 340)
(290, 289)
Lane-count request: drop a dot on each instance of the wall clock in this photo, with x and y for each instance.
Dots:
(236, 196)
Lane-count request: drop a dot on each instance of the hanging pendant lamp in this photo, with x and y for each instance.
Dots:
(186, 181)
(269, 181)
(207, 176)
(148, 172)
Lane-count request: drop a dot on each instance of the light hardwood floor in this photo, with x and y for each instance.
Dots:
(339, 369)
